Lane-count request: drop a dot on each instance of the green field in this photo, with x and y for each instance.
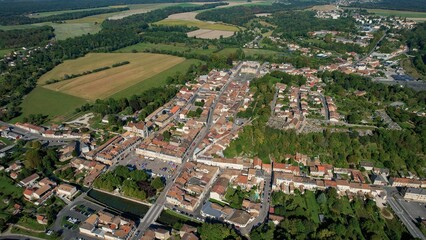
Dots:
(157, 80)
(48, 102)
(178, 47)
(62, 30)
(7, 187)
(407, 14)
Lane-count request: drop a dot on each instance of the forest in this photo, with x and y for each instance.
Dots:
(240, 15)
(293, 24)
(28, 37)
(416, 39)
(325, 215)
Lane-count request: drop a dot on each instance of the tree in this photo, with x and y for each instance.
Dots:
(32, 159)
(157, 183)
(211, 231)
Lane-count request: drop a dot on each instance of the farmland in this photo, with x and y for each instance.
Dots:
(210, 34)
(199, 24)
(90, 24)
(106, 83)
(157, 80)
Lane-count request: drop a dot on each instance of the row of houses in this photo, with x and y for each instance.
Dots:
(115, 149)
(105, 225)
(38, 191)
(191, 185)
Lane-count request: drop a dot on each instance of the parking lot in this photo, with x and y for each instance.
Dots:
(416, 210)
(67, 222)
(154, 166)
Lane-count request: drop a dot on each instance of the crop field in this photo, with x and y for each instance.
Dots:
(210, 34)
(108, 82)
(48, 102)
(156, 80)
(199, 24)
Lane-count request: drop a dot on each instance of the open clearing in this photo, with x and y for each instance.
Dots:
(324, 7)
(210, 34)
(108, 82)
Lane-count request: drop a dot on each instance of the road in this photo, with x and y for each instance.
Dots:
(324, 103)
(263, 211)
(372, 50)
(156, 209)
(33, 136)
(403, 215)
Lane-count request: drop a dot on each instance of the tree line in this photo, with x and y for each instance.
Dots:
(20, 19)
(28, 37)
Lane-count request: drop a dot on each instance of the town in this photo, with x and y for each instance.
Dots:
(165, 172)
(190, 132)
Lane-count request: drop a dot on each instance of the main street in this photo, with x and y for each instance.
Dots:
(156, 209)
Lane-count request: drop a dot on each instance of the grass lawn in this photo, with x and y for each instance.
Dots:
(6, 141)
(4, 51)
(31, 224)
(45, 101)
(157, 80)
(199, 24)
(17, 230)
(8, 187)
(171, 217)
(105, 83)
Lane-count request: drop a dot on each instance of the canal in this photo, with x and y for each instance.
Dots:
(126, 207)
